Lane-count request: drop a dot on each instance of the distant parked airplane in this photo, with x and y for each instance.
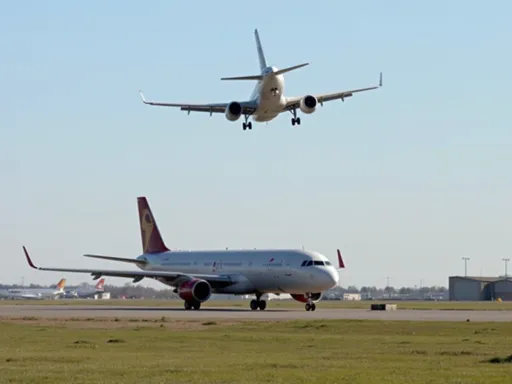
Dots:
(195, 275)
(85, 292)
(34, 293)
(267, 100)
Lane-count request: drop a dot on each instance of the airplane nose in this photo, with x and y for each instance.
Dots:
(335, 277)
(330, 277)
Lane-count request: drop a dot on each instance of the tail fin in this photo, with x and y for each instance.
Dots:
(341, 263)
(259, 48)
(151, 239)
(61, 284)
(100, 285)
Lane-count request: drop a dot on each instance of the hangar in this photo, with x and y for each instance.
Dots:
(471, 288)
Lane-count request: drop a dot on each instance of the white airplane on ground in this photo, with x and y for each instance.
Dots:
(267, 100)
(84, 292)
(35, 293)
(195, 275)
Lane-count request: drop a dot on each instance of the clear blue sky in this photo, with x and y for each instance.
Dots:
(405, 180)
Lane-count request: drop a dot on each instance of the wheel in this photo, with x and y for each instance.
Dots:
(244, 126)
(308, 307)
(254, 305)
(262, 305)
(196, 306)
(293, 121)
(313, 306)
(298, 120)
(249, 125)
(187, 306)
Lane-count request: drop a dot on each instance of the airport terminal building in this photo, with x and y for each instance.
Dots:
(470, 288)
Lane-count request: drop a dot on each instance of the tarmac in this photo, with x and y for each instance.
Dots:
(60, 311)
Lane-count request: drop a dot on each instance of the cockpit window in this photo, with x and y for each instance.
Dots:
(309, 263)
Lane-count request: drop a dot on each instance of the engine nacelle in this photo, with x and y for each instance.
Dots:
(195, 290)
(233, 111)
(308, 104)
(315, 297)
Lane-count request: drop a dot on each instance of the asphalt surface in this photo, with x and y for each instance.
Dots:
(60, 311)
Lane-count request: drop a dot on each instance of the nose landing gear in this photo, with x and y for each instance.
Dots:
(310, 306)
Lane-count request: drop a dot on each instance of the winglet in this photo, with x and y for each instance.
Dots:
(142, 97)
(380, 80)
(28, 258)
(341, 264)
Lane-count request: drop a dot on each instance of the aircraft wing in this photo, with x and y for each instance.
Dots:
(173, 278)
(293, 102)
(248, 107)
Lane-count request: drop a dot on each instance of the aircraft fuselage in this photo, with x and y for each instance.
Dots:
(264, 271)
(269, 96)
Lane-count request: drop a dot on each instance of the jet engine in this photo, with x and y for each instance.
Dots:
(308, 104)
(315, 297)
(233, 111)
(195, 290)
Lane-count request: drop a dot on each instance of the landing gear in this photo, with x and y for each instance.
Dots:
(192, 305)
(258, 303)
(310, 306)
(295, 119)
(247, 124)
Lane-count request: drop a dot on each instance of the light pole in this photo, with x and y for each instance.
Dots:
(506, 260)
(466, 265)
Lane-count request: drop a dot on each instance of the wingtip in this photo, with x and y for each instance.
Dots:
(142, 96)
(29, 260)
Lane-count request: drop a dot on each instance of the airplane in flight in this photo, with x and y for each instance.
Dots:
(267, 100)
(85, 292)
(196, 274)
(35, 293)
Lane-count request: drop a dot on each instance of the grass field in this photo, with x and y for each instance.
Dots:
(446, 305)
(340, 351)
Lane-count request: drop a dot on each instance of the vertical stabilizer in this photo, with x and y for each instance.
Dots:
(61, 284)
(151, 239)
(261, 55)
(100, 285)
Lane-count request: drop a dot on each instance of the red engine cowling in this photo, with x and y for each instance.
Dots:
(315, 297)
(195, 290)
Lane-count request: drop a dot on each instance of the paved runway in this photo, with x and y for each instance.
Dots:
(60, 311)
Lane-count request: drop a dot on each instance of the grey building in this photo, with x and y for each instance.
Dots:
(471, 288)
(502, 289)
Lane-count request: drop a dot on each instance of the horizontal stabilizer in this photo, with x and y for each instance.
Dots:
(284, 70)
(133, 261)
(256, 77)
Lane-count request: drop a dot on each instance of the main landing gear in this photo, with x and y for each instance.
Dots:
(295, 119)
(192, 305)
(310, 306)
(246, 124)
(258, 303)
